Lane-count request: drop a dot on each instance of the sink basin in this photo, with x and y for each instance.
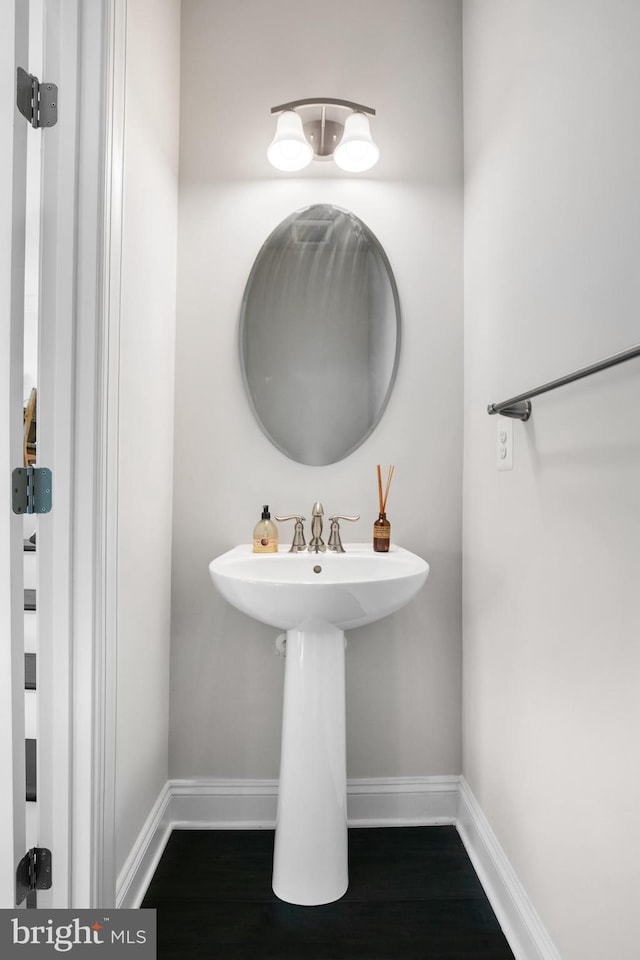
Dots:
(346, 590)
(315, 597)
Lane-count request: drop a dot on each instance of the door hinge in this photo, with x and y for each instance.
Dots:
(33, 872)
(31, 490)
(38, 102)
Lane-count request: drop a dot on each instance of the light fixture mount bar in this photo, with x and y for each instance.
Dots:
(319, 101)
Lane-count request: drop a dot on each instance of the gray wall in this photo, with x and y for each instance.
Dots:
(551, 559)
(404, 674)
(147, 346)
(552, 227)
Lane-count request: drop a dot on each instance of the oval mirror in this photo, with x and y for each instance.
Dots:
(320, 334)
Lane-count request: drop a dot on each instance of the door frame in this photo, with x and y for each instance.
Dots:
(107, 393)
(101, 69)
(93, 70)
(81, 242)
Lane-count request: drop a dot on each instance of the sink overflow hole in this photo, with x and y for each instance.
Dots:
(317, 568)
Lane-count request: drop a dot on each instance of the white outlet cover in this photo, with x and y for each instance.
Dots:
(504, 444)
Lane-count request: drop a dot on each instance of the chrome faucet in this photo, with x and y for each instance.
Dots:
(298, 544)
(316, 543)
(335, 543)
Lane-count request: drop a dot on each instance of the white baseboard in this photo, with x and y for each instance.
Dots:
(201, 804)
(402, 801)
(516, 914)
(251, 804)
(223, 804)
(215, 804)
(136, 875)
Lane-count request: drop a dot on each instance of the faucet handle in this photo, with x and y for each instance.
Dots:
(298, 532)
(335, 543)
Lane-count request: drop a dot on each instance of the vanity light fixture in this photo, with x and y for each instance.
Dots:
(323, 129)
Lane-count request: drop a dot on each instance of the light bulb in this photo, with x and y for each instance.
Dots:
(289, 150)
(357, 150)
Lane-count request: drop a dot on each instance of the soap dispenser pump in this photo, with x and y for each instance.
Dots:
(265, 534)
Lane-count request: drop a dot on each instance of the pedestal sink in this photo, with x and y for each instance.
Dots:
(315, 597)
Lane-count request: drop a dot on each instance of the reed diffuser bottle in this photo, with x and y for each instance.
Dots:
(382, 527)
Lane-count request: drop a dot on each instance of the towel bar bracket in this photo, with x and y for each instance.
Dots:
(517, 411)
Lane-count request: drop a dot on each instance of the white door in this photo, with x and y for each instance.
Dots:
(13, 155)
(48, 47)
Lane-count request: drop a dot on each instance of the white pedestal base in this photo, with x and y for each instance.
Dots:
(310, 858)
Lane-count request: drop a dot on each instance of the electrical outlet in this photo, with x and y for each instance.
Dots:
(504, 445)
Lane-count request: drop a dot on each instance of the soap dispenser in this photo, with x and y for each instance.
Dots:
(265, 534)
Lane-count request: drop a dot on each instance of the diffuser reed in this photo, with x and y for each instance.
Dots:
(382, 527)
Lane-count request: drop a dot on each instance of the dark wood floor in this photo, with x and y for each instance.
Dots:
(412, 894)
